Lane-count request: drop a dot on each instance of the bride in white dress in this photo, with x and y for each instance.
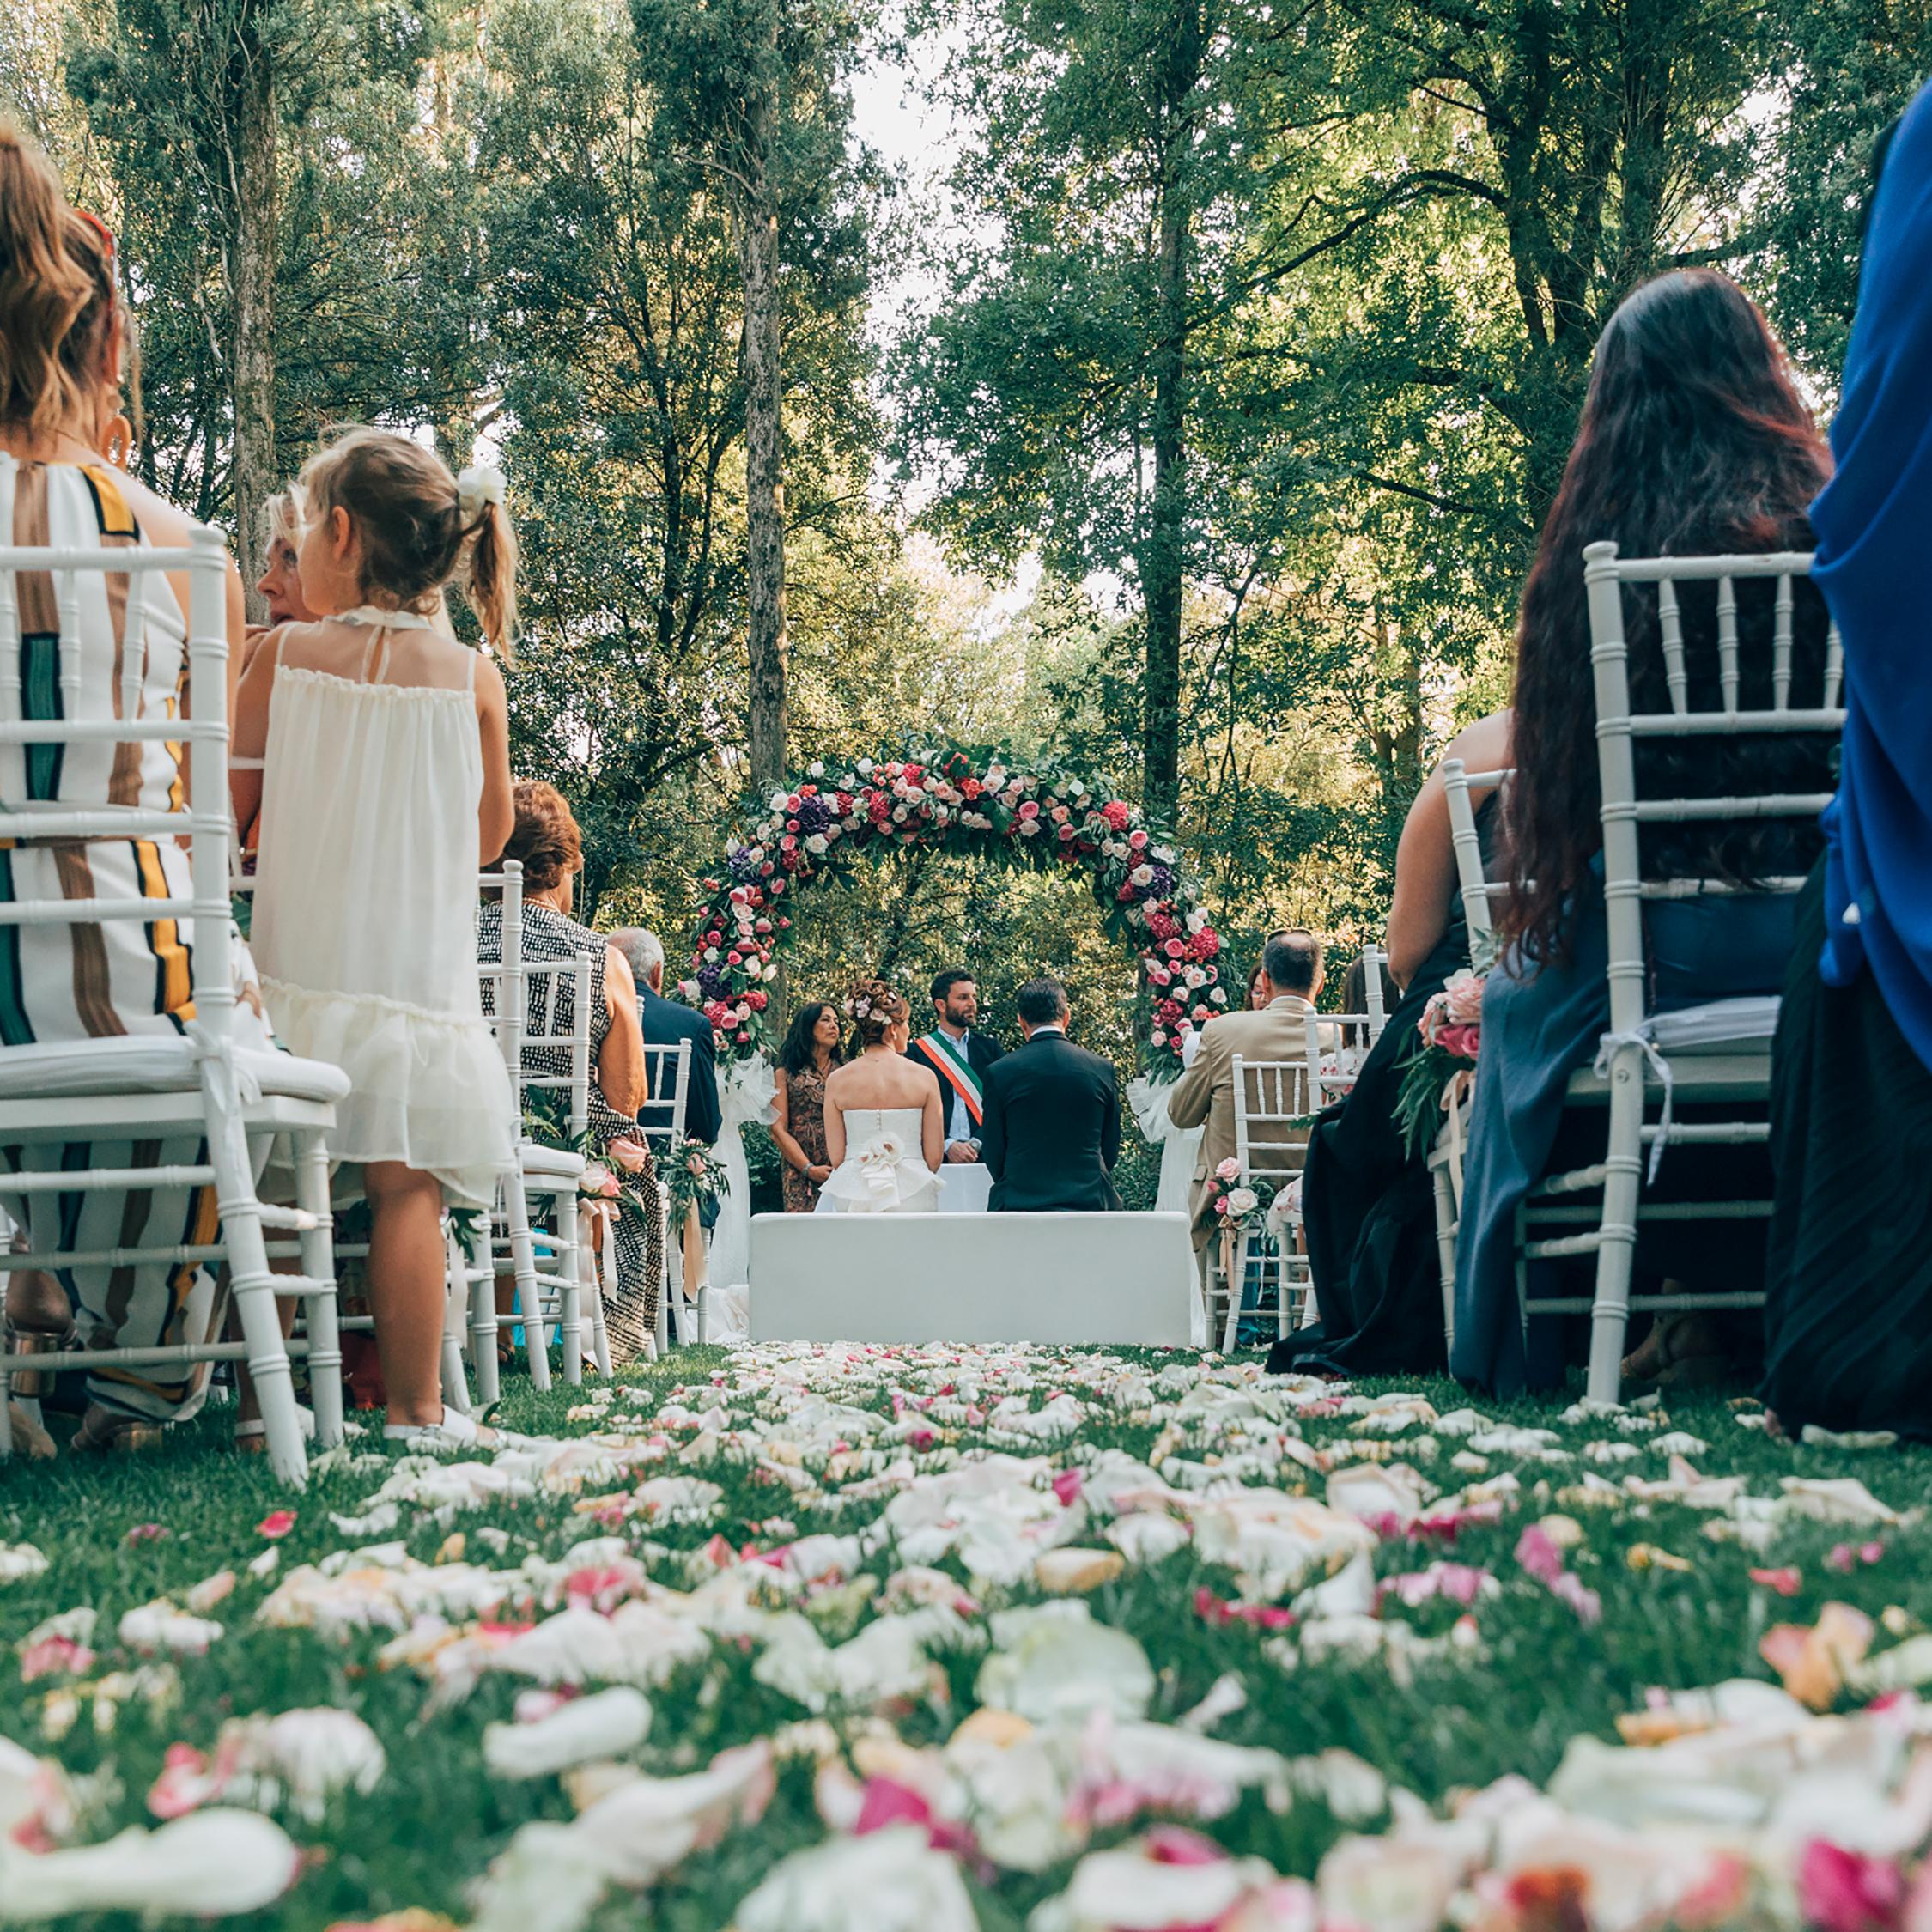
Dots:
(885, 1124)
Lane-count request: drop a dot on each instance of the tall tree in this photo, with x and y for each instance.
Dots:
(754, 91)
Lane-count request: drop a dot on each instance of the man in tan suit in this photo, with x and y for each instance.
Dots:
(1205, 1094)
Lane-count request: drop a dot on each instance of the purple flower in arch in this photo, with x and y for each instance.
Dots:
(814, 815)
(744, 863)
(1160, 886)
(711, 982)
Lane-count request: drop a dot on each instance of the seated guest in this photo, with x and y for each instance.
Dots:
(960, 1056)
(1205, 1094)
(805, 1062)
(1259, 991)
(1693, 440)
(1848, 1316)
(280, 585)
(1053, 1116)
(1368, 1204)
(549, 847)
(664, 1023)
(65, 335)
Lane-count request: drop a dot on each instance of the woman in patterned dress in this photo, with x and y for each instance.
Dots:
(549, 847)
(809, 1054)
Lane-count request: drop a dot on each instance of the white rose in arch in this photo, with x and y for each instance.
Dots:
(1141, 875)
(771, 971)
(866, 768)
(816, 844)
(1030, 828)
(1219, 996)
(711, 954)
(780, 802)
(816, 769)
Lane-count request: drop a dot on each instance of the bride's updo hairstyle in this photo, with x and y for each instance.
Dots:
(875, 1007)
(417, 532)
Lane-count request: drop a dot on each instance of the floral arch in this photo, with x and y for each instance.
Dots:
(975, 801)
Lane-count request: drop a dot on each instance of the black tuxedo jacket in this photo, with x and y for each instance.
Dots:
(664, 1023)
(983, 1053)
(1053, 1128)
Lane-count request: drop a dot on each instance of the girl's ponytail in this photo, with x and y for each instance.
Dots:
(44, 291)
(491, 584)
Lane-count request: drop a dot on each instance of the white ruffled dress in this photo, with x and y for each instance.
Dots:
(365, 918)
(883, 1172)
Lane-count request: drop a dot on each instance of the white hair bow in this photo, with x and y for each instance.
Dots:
(481, 483)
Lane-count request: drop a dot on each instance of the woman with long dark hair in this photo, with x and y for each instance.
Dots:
(1693, 440)
(805, 1062)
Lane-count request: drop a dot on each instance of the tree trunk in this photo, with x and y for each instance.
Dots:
(1164, 554)
(764, 480)
(252, 279)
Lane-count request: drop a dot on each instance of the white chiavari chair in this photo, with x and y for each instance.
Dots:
(1272, 1108)
(1718, 1053)
(1336, 1044)
(1463, 788)
(203, 1090)
(540, 1203)
(668, 1068)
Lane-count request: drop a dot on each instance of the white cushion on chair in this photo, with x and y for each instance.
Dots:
(1717, 1026)
(550, 1162)
(151, 1063)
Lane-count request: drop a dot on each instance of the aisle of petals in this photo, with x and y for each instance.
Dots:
(947, 1637)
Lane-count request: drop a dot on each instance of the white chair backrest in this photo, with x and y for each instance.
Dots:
(1269, 1096)
(543, 1026)
(1336, 1044)
(1617, 729)
(89, 718)
(505, 992)
(1478, 892)
(667, 1071)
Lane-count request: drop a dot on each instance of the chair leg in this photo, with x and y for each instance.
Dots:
(570, 1292)
(1237, 1291)
(523, 1263)
(6, 1410)
(1445, 1251)
(600, 1341)
(318, 1264)
(1616, 1252)
(482, 1312)
(251, 1283)
(456, 1385)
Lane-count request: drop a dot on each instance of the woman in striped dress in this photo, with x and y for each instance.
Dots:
(63, 339)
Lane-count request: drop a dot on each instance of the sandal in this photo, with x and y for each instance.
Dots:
(102, 1430)
(456, 1432)
(1676, 1354)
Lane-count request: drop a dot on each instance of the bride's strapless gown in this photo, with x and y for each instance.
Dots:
(883, 1171)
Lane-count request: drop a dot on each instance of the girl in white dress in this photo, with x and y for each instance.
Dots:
(885, 1130)
(378, 749)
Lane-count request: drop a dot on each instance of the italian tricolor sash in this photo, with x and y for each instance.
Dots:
(949, 1058)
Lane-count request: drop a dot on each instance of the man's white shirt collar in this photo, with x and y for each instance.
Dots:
(1038, 1031)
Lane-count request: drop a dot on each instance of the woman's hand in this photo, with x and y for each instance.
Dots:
(818, 1174)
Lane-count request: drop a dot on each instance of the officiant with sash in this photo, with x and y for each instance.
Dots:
(961, 1057)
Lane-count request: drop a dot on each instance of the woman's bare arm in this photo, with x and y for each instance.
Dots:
(835, 1128)
(1425, 874)
(496, 817)
(933, 1126)
(620, 1059)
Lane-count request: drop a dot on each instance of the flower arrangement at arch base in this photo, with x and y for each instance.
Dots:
(975, 802)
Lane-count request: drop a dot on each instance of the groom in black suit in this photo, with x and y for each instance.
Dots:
(1053, 1116)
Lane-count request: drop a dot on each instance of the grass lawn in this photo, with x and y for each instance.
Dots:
(1640, 1581)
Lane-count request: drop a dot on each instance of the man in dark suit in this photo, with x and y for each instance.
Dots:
(962, 1059)
(1053, 1116)
(665, 1023)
